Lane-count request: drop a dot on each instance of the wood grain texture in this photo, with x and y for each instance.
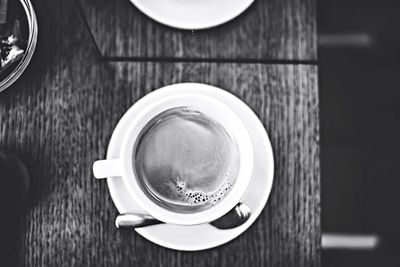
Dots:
(60, 116)
(268, 30)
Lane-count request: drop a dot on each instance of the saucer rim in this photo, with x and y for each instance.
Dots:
(196, 26)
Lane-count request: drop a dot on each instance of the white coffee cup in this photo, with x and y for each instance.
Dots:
(124, 167)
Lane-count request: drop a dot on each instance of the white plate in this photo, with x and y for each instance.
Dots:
(202, 236)
(192, 14)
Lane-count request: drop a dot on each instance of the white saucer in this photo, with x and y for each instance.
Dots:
(192, 14)
(204, 236)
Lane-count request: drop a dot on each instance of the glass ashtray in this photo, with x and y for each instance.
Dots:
(20, 28)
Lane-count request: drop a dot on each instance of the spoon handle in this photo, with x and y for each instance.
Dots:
(135, 220)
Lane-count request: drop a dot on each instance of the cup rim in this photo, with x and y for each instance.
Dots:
(234, 126)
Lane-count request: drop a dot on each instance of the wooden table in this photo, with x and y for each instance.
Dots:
(60, 116)
(268, 30)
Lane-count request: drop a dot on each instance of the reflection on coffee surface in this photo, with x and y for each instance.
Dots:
(185, 161)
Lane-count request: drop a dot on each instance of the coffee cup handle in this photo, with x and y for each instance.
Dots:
(107, 168)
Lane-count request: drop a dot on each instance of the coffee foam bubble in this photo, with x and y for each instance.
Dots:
(194, 197)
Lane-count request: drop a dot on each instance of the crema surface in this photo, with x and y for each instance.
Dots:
(185, 160)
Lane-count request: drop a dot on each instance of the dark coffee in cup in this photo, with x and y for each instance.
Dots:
(185, 161)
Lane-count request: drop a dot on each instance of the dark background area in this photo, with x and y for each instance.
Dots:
(359, 76)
